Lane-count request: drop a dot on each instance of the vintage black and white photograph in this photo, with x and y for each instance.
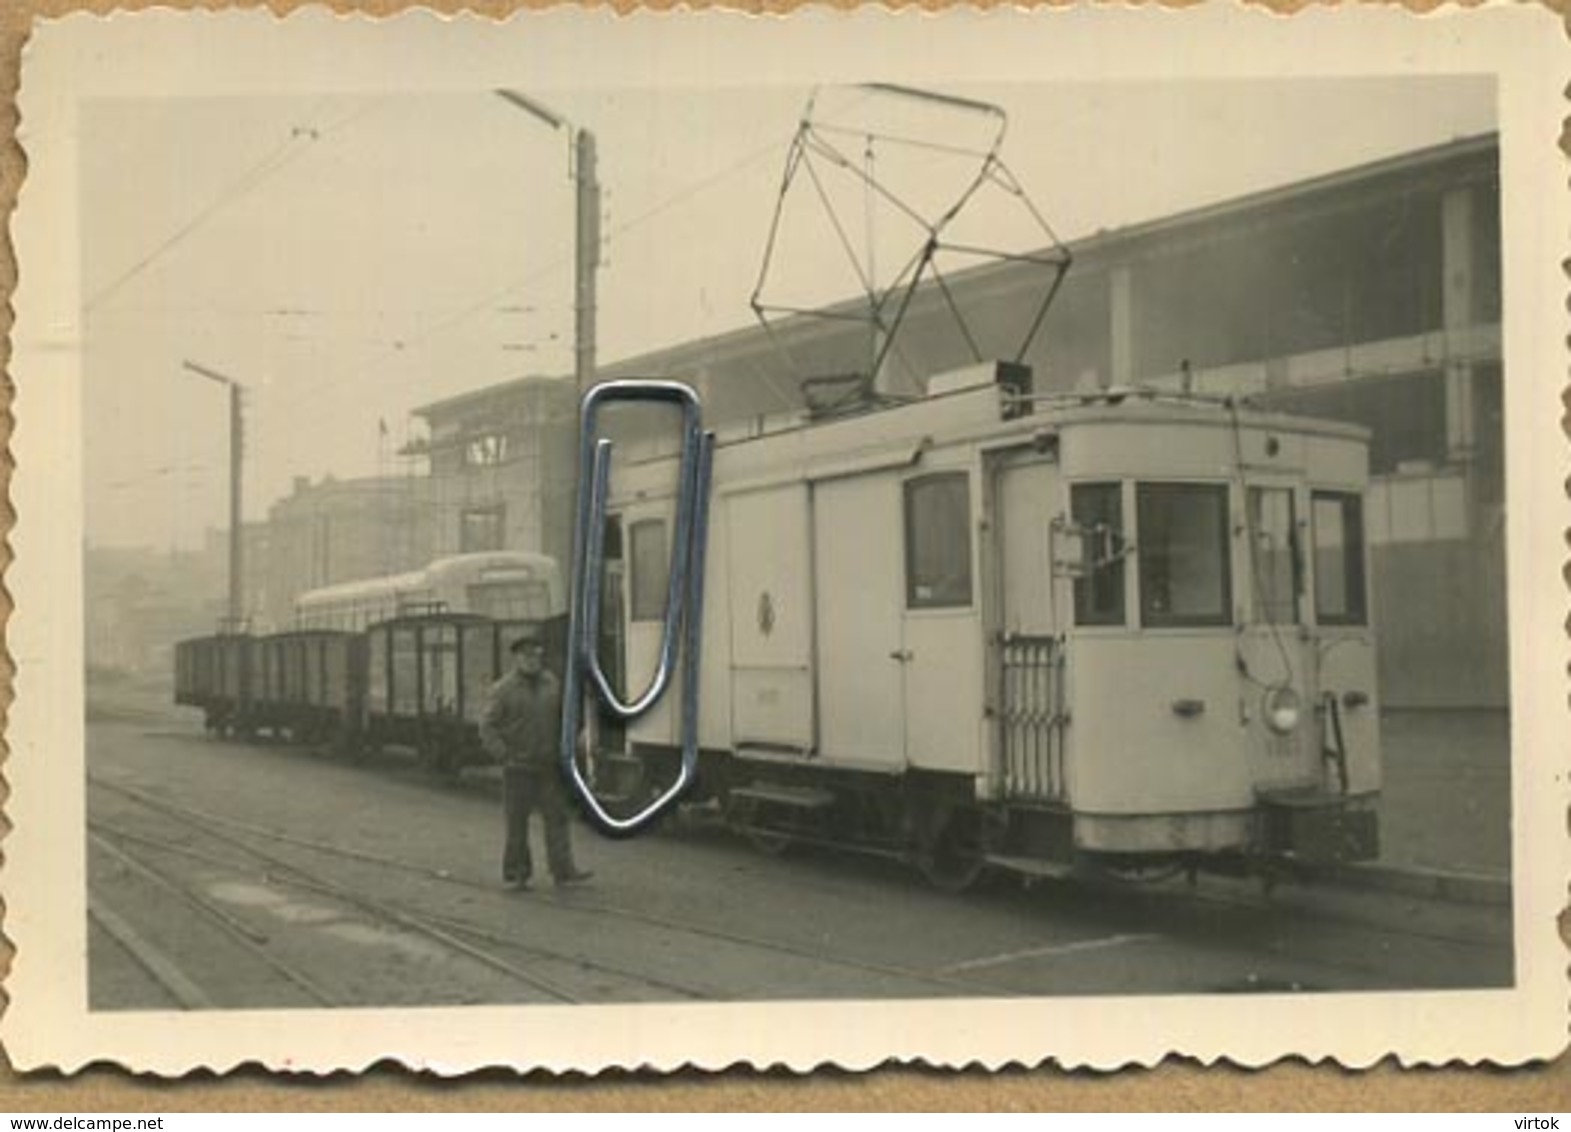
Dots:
(784, 551)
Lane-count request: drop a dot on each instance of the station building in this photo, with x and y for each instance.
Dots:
(1371, 295)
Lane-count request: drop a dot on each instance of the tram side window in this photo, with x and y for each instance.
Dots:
(1185, 575)
(1098, 509)
(651, 568)
(938, 541)
(1339, 559)
(1274, 555)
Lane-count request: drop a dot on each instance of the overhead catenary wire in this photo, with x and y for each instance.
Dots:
(275, 161)
(1258, 594)
(517, 287)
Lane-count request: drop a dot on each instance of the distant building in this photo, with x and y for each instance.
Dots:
(336, 531)
(501, 467)
(1372, 295)
(138, 602)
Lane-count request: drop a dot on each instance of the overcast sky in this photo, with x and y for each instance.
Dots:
(350, 258)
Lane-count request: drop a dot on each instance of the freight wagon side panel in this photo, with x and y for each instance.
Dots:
(337, 655)
(232, 667)
(482, 668)
(378, 700)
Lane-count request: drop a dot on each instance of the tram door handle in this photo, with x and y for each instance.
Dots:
(902, 655)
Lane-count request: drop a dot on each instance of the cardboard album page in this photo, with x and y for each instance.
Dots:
(684, 539)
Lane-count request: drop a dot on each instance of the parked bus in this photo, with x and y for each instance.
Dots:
(506, 585)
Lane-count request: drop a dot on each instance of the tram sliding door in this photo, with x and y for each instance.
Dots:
(861, 683)
(942, 653)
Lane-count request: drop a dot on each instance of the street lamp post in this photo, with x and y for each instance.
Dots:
(586, 260)
(236, 452)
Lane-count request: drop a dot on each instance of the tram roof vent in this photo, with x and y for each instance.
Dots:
(1014, 378)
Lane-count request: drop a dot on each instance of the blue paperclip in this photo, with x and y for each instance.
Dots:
(683, 628)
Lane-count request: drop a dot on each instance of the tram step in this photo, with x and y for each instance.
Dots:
(772, 752)
(1032, 866)
(798, 797)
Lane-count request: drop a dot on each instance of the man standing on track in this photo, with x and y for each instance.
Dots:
(521, 729)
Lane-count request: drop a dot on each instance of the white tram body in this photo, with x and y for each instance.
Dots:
(501, 584)
(985, 627)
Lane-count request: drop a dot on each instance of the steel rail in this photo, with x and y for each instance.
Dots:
(327, 888)
(201, 819)
(165, 973)
(244, 936)
(373, 907)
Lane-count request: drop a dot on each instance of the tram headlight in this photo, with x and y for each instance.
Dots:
(1282, 710)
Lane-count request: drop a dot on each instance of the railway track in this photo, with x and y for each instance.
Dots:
(232, 845)
(1224, 917)
(211, 857)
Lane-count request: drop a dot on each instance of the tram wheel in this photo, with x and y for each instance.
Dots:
(954, 859)
(746, 816)
(1138, 872)
(767, 841)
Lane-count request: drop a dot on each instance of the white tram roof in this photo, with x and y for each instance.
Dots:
(898, 434)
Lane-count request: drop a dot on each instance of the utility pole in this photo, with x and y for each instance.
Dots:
(586, 258)
(236, 465)
(586, 262)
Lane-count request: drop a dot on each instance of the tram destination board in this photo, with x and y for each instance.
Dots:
(1108, 590)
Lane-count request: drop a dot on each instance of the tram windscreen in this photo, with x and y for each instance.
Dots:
(1185, 576)
(1339, 559)
(1273, 556)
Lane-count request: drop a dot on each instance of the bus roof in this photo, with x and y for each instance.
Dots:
(416, 581)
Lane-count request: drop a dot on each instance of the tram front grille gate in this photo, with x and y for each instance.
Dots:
(1032, 732)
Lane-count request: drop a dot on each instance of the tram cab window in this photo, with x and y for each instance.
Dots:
(1098, 510)
(650, 569)
(1338, 519)
(1185, 575)
(1273, 555)
(938, 541)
